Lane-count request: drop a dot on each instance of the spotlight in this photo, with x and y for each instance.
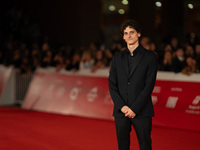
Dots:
(158, 4)
(111, 7)
(125, 2)
(121, 11)
(190, 6)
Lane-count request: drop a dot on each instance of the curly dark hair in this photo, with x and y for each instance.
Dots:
(131, 23)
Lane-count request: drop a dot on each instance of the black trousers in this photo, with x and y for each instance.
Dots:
(142, 126)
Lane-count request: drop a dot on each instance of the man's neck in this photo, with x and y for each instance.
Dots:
(132, 47)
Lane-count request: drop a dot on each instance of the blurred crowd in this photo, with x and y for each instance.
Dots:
(175, 55)
(23, 46)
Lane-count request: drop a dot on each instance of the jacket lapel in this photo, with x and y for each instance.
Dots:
(125, 61)
(137, 58)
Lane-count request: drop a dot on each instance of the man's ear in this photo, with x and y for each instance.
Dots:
(139, 34)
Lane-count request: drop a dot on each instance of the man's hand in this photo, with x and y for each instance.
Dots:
(128, 112)
(125, 109)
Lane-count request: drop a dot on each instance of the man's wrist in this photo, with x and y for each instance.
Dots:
(124, 107)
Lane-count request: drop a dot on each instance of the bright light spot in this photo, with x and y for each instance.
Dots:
(111, 7)
(158, 4)
(121, 11)
(190, 6)
(125, 2)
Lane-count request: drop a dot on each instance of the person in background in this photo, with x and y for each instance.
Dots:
(25, 66)
(99, 62)
(17, 60)
(166, 63)
(47, 59)
(190, 67)
(145, 42)
(167, 47)
(189, 51)
(192, 39)
(92, 48)
(74, 64)
(44, 49)
(116, 47)
(197, 56)
(174, 43)
(35, 59)
(152, 47)
(86, 61)
(59, 62)
(8, 54)
(108, 57)
(178, 61)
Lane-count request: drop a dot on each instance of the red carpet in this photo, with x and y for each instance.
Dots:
(31, 130)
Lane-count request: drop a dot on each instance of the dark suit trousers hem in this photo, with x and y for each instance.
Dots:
(142, 126)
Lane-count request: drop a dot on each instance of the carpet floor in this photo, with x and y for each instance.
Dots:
(31, 130)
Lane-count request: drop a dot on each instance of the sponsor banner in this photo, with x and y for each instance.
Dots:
(176, 103)
(70, 94)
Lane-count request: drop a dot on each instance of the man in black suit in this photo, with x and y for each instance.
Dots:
(131, 82)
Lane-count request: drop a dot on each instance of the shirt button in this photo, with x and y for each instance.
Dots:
(129, 82)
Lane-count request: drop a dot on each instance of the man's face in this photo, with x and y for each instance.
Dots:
(131, 36)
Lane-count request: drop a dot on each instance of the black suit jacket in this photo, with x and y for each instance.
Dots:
(134, 89)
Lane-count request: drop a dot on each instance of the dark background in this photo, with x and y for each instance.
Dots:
(79, 22)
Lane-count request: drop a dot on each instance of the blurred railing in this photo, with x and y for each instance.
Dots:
(22, 81)
(13, 85)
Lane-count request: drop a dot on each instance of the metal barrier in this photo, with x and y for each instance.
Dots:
(22, 82)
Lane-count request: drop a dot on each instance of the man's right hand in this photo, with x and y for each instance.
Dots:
(128, 112)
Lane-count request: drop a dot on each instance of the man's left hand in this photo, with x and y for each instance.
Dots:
(130, 113)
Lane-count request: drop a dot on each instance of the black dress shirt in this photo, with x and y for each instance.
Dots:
(131, 58)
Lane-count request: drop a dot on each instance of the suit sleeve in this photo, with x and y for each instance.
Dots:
(113, 87)
(150, 80)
